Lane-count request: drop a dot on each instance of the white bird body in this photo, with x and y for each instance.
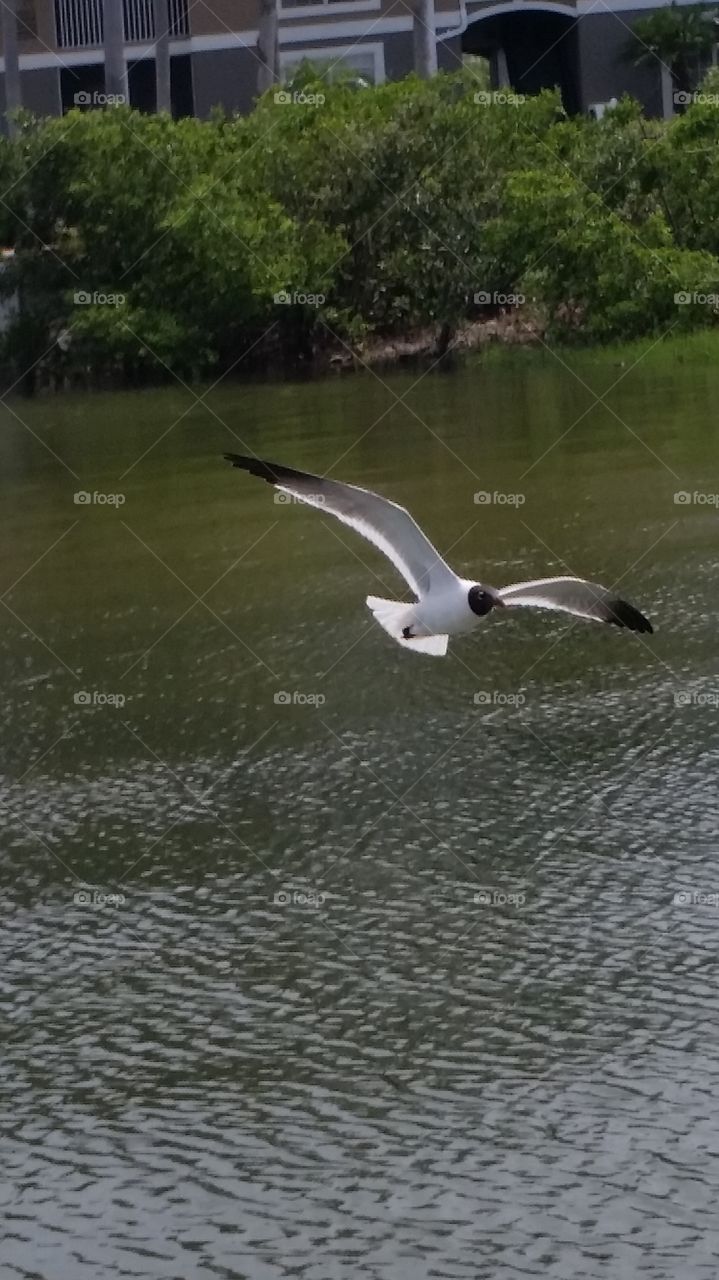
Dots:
(447, 610)
(435, 616)
(446, 604)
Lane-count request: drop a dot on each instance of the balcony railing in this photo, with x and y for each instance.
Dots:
(325, 4)
(79, 22)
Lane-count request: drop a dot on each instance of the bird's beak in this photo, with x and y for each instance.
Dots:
(499, 603)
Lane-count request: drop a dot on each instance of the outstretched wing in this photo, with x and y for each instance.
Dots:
(575, 595)
(385, 524)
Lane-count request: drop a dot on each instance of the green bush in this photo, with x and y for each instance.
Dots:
(344, 212)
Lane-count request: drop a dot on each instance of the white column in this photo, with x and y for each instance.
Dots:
(268, 71)
(424, 38)
(114, 41)
(13, 98)
(162, 55)
(667, 92)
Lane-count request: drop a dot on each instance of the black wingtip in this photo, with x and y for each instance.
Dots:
(242, 460)
(623, 614)
(268, 471)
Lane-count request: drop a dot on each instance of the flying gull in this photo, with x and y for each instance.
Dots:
(446, 604)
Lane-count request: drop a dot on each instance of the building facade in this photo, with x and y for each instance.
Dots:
(577, 45)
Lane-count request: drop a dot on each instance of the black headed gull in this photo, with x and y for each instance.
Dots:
(446, 605)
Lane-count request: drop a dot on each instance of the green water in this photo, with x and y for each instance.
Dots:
(388, 978)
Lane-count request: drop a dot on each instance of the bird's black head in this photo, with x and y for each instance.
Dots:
(482, 600)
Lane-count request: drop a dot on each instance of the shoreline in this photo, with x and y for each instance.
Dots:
(499, 338)
(432, 345)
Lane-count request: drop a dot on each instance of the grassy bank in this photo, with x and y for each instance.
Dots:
(701, 347)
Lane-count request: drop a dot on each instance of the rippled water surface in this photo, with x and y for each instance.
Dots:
(319, 959)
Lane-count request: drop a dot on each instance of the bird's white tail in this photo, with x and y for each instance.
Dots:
(394, 616)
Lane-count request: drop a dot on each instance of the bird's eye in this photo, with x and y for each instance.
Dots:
(480, 602)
